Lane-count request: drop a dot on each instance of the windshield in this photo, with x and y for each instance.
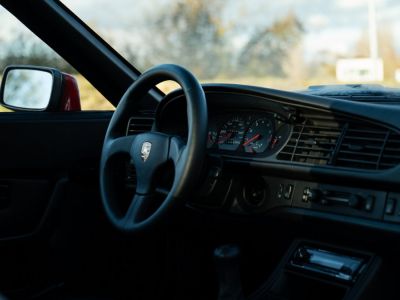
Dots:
(286, 44)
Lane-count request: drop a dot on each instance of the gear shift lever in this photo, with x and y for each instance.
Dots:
(227, 264)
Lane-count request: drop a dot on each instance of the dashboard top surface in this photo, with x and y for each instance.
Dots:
(251, 126)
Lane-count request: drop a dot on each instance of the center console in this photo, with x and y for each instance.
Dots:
(311, 270)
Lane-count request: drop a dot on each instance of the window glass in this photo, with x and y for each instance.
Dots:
(286, 44)
(18, 45)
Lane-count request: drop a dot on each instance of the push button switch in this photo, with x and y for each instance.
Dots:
(288, 191)
(390, 206)
(369, 203)
(391, 209)
(311, 195)
(280, 191)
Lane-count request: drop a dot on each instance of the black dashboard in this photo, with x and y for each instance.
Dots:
(273, 151)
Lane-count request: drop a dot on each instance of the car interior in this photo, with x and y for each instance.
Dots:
(213, 191)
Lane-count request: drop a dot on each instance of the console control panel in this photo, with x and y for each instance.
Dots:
(340, 199)
(337, 199)
(259, 194)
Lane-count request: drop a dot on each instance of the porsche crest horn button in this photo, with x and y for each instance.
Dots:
(145, 152)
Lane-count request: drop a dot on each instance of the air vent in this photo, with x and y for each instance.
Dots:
(313, 141)
(327, 140)
(362, 146)
(138, 125)
(391, 152)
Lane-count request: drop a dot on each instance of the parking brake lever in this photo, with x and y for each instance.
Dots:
(227, 265)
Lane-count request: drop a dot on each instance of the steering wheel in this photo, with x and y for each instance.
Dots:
(151, 150)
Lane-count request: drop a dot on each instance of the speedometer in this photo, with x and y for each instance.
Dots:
(231, 134)
(259, 136)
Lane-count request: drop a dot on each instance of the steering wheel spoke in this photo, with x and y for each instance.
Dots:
(176, 150)
(138, 209)
(121, 145)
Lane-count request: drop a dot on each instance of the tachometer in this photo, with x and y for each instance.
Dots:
(231, 134)
(259, 135)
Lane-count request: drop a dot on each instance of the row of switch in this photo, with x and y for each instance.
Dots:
(358, 202)
(343, 199)
(352, 200)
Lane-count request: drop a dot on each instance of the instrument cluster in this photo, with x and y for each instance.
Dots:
(251, 133)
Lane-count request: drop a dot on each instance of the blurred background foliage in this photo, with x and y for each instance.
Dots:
(193, 33)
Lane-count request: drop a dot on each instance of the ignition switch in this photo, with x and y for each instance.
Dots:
(254, 192)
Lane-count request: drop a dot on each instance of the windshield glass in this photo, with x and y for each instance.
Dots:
(286, 44)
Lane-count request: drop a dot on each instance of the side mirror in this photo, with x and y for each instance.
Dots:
(31, 88)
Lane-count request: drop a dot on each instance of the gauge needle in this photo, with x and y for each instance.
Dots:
(257, 136)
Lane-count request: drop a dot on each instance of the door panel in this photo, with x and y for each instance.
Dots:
(50, 141)
(44, 155)
(22, 205)
(40, 149)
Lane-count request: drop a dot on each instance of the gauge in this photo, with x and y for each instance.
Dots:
(231, 134)
(258, 137)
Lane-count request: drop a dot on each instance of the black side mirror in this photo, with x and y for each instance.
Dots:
(32, 88)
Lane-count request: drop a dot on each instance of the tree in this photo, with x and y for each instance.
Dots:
(25, 49)
(189, 33)
(266, 50)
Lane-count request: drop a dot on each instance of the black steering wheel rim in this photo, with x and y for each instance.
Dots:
(187, 158)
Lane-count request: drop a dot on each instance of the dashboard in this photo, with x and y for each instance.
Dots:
(271, 151)
(305, 165)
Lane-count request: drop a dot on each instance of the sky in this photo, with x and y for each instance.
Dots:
(330, 25)
(333, 25)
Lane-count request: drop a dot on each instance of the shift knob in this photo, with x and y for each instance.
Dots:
(227, 265)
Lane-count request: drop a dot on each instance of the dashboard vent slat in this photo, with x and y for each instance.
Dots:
(357, 161)
(359, 153)
(391, 152)
(138, 125)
